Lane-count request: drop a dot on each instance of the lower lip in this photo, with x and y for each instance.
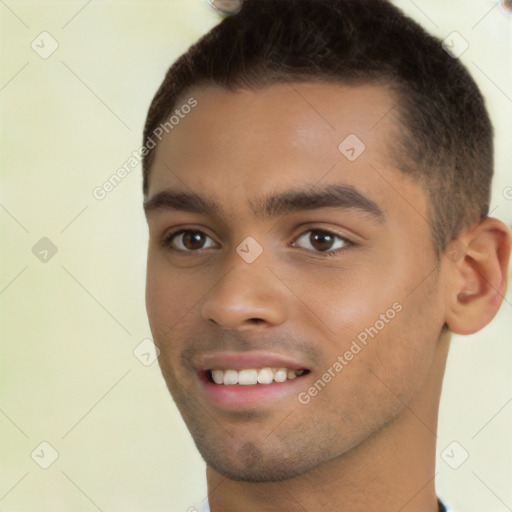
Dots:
(238, 397)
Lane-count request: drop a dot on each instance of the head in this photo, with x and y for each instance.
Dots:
(330, 155)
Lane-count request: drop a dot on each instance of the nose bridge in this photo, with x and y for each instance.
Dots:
(248, 294)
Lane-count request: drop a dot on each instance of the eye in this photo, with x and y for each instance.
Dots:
(322, 241)
(187, 240)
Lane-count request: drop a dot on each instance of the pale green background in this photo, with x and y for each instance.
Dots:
(69, 326)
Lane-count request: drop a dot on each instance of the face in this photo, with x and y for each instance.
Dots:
(289, 258)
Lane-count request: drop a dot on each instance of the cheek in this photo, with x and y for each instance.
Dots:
(173, 301)
(166, 297)
(400, 357)
(348, 298)
(163, 305)
(378, 376)
(385, 292)
(385, 331)
(159, 299)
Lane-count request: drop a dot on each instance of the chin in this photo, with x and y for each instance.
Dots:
(270, 472)
(251, 464)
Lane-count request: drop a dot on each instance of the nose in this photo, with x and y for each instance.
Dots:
(248, 296)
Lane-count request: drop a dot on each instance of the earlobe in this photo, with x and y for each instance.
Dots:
(477, 266)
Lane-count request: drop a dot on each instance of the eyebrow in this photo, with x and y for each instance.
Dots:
(272, 205)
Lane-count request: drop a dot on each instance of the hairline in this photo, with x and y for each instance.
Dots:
(381, 80)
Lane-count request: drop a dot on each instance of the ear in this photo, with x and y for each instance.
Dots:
(477, 265)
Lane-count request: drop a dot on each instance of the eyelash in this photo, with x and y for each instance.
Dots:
(167, 238)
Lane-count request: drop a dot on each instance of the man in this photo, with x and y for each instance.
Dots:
(316, 183)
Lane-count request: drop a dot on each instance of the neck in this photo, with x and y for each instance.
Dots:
(393, 470)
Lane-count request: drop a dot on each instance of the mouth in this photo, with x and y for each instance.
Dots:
(253, 376)
(235, 381)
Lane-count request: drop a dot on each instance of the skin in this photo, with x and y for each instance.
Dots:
(367, 440)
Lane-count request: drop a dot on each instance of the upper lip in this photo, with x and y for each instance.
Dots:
(242, 360)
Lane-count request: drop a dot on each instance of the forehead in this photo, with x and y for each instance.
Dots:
(249, 143)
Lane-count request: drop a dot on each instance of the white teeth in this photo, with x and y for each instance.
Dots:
(252, 376)
(230, 377)
(280, 375)
(247, 377)
(265, 376)
(218, 376)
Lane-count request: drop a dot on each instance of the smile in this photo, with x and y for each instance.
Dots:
(234, 381)
(253, 376)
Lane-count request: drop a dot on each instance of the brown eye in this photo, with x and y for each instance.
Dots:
(193, 240)
(322, 241)
(188, 241)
